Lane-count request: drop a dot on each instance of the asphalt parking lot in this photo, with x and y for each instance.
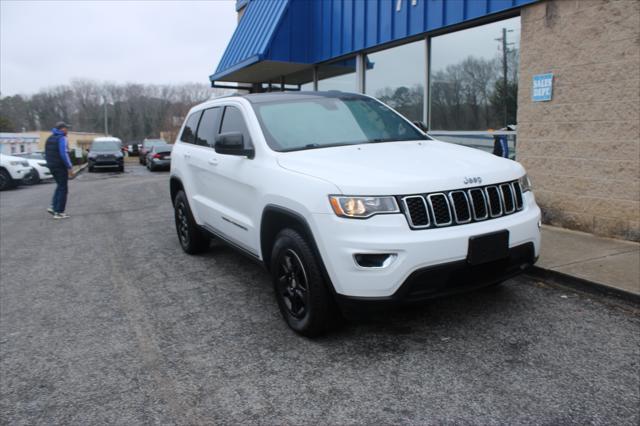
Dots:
(103, 319)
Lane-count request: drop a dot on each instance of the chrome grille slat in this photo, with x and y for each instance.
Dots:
(478, 204)
(494, 200)
(518, 195)
(461, 206)
(508, 201)
(438, 203)
(416, 217)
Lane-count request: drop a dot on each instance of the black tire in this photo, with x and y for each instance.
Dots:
(121, 169)
(192, 239)
(32, 178)
(150, 167)
(303, 295)
(6, 182)
(90, 169)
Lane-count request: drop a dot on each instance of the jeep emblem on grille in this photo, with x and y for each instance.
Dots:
(469, 180)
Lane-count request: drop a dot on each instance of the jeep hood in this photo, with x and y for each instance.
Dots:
(396, 168)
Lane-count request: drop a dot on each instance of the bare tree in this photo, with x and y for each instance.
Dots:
(134, 111)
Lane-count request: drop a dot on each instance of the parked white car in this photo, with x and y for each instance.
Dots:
(38, 163)
(12, 171)
(344, 200)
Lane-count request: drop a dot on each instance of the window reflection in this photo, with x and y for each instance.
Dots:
(467, 89)
(339, 75)
(397, 76)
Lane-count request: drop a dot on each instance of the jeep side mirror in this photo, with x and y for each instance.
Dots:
(232, 143)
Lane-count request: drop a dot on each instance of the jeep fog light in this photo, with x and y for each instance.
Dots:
(362, 207)
(378, 260)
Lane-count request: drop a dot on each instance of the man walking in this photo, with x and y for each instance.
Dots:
(59, 163)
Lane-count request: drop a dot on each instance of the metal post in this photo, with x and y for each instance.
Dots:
(426, 113)
(504, 73)
(360, 82)
(315, 78)
(106, 125)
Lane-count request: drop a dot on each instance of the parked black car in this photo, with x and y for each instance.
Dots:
(134, 149)
(147, 144)
(105, 154)
(159, 157)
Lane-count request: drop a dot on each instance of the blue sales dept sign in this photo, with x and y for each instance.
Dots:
(542, 87)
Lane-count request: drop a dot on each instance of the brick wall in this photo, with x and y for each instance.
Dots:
(582, 149)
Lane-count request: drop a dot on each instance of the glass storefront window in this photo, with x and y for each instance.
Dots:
(339, 75)
(467, 85)
(397, 76)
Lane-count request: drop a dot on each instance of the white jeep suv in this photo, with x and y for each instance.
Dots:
(345, 201)
(12, 170)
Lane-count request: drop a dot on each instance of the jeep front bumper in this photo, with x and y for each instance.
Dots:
(421, 263)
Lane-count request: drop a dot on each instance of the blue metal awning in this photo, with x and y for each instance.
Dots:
(282, 38)
(250, 56)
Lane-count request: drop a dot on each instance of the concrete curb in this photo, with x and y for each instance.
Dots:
(80, 168)
(582, 284)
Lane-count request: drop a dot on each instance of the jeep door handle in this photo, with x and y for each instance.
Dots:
(213, 161)
(187, 156)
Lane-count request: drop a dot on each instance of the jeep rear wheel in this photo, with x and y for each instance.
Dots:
(192, 239)
(301, 291)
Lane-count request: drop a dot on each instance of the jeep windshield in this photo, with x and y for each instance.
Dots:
(323, 121)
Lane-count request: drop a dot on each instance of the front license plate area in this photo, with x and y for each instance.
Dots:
(488, 247)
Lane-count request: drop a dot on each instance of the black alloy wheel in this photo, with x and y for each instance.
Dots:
(302, 292)
(5, 180)
(192, 239)
(292, 284)
(31, 178)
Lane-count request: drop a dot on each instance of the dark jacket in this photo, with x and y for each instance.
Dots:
(55, 151)
(500, 146)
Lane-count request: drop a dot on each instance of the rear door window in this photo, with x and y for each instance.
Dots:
(207, 129)
(189, 132)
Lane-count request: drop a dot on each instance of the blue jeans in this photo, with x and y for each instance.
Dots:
(59, 202)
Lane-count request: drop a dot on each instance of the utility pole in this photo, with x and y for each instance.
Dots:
(106, 125)
(505, 79)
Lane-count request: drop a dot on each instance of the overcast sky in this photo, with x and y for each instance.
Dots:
(46, 43)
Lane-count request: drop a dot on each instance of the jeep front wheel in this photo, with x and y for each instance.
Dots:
(5, 180)
(301, 291)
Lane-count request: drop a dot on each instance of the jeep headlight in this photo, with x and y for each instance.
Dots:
(525, 183)
(362, 207)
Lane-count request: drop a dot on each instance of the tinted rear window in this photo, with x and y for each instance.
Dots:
(207, 129)
(189, 132)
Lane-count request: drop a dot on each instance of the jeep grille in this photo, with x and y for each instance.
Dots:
(462, 206)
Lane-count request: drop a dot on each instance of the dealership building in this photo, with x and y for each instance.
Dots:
(564, 75)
